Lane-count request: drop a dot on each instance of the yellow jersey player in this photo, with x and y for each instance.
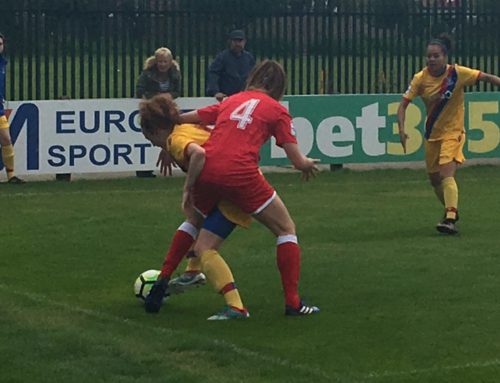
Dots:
(5, 141)
(158, 117)
(441, 87)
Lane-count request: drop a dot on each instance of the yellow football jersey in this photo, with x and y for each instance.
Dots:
(450, 120)
(184, 134)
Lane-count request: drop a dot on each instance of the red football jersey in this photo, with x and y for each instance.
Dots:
(243, 122)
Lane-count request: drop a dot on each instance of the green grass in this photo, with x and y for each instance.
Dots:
(400, 303)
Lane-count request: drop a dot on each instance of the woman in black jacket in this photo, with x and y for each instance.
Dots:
(160, 74)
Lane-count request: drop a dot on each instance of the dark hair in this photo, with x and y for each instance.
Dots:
(443, 40)
(268, 76)
(159, 112)
(2, 37)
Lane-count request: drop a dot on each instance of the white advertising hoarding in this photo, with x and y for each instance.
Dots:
(82, 136)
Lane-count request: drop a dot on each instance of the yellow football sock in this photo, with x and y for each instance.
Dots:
(232, 298)
(8, 159)
(439, 193)
(193, 264)
(450, 191)
(220, 276)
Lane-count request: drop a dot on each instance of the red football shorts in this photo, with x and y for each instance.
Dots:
(250, 194)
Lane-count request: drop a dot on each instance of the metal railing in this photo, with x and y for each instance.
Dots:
(96, 49)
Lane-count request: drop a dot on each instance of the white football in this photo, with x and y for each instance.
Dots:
(144, 282)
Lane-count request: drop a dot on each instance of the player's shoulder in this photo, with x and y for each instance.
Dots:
(240, 97)
(459, 67)
(189, 130)
(264, 100)
(424, 73)
(261, 95)
(269, 104)
(465, 69)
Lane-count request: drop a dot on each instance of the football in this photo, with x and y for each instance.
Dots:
(144, 282)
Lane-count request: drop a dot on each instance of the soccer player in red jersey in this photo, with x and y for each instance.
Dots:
(158, 117)
(226, 168)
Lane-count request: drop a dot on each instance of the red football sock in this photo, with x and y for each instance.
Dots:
(288, 260)
(180, 245)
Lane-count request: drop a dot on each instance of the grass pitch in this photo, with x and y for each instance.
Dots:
(399, 302)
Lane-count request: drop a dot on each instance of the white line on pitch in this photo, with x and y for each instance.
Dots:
(316, 373)
(431, 370)
(96, 192)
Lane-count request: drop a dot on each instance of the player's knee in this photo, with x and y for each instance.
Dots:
(435, 179)
(201, 246)
(196, 220)
(285, 228)
(4, 137)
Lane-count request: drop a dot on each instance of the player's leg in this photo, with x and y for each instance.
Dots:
(436, 183)
(451, 155)
(180, 244)
(182, 241)
(450, 191)
(277, 218)
(192, 275)
(7, 151)
(216, 229)
(432, 149)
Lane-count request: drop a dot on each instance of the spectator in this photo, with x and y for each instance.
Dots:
(161, 74)
(5, 141)
(228, 72)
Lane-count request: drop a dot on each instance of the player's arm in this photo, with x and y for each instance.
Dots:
(206, 115)
(191, 117)
(491, 78)
(196, 156)
(299, 161)
(401, 113)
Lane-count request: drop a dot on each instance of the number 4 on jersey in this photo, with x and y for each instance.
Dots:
(243, 113)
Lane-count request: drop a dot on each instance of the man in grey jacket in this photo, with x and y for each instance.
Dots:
(228, 72)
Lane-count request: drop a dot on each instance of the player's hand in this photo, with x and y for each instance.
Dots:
(402, 138)
(165, 162)
(219, 96)
(309, 169)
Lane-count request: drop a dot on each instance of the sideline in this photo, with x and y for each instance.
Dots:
(176, 172)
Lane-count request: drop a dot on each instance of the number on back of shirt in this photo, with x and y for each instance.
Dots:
(243, 113)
